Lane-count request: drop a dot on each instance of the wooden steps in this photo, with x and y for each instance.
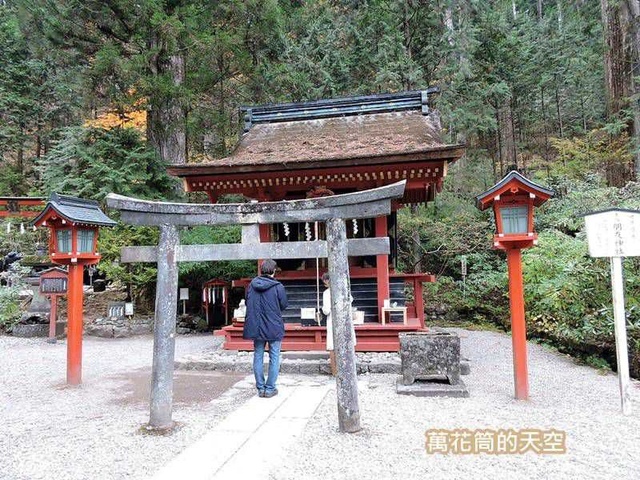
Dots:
(371, 337)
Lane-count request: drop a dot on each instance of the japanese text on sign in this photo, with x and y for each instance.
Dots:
(613, 233)
(53, 285)
(463, 441)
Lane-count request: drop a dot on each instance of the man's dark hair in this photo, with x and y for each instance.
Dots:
(325, 277)
(268, 267)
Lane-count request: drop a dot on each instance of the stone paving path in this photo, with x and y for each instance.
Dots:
(249, 442)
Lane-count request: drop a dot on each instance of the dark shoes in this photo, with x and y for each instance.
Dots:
(265, 394)
(270, 394)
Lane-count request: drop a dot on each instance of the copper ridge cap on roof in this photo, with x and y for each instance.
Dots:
(72, 201)
(337, 107)
(512, 175)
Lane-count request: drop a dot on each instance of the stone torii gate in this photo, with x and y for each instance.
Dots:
(333, 210)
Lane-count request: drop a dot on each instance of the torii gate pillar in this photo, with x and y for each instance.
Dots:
(164, 331)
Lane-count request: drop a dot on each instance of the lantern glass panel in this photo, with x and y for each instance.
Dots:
(85, 241)
(63, 238)
(514, 219)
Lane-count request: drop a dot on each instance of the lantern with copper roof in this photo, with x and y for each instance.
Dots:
(513, 200)
(74, 224)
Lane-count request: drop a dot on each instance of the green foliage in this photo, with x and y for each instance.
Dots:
(575, 198)
(92, 162)
(447, 230)
(141, 277)
(195, 273)
(568, 293)
(10, 304)
(11, 181)
(594, 153)
(10, 307)
(37, 94)
(28, 242)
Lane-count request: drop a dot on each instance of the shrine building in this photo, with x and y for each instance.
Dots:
(301, 150)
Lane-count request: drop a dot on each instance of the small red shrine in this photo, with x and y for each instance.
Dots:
(296, 150)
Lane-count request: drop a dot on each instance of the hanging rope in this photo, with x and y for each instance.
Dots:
(318, 319)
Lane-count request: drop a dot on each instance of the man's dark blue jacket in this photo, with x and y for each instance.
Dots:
(266, 299)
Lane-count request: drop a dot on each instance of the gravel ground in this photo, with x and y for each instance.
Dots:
(50, 431)
(601, 442)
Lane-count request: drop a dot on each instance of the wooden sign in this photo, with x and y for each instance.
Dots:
(54, 282)
(613, 233)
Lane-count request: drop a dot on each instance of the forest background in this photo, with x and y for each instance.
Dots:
(98, 96)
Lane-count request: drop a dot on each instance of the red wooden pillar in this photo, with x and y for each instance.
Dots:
(418, 300)
(53, 318)
(74, 325)
(265, 236)
(382, 266)
(518, 326)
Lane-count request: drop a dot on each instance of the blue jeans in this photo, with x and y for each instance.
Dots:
(274, 364)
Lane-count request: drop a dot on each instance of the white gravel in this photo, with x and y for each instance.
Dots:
(50, 431)
(601, 442)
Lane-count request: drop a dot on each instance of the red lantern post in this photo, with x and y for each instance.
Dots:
(513, 199)
(74, 225)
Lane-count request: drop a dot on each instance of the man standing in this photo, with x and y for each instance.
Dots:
(266, 299)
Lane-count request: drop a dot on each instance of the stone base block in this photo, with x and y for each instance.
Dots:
(37, 330)
(432, 389)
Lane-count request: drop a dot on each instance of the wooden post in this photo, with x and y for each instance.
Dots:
(53, 318)
(343, 340)
(164, 330)
(382, 266)
(622, 355)
(418, 300)
(518, 325)
(74, 325)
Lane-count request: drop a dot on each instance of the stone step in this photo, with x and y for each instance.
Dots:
(287, 365)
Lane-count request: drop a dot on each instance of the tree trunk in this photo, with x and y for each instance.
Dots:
(539, 9)
(506, 136)
(621, 59)
(544, 125)
(448, 21)
(614, 57)
(167, 116)
(559, 112)
(632, 11)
